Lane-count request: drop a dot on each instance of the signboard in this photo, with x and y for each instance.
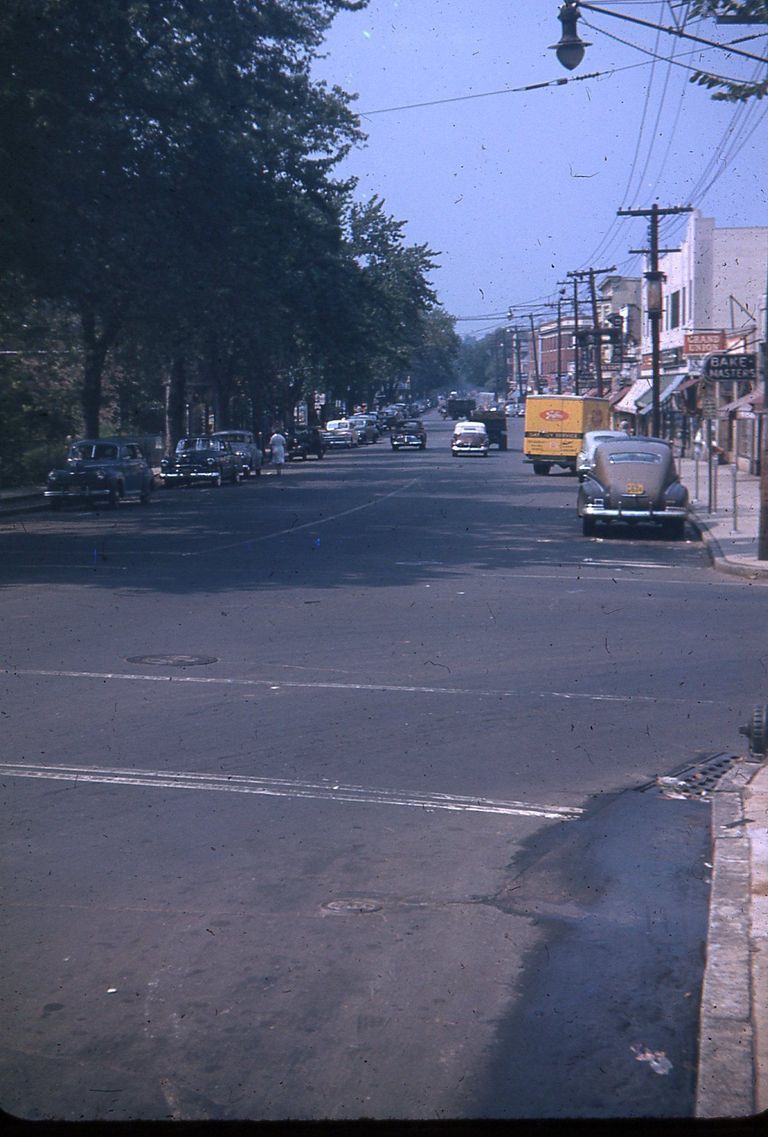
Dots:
(708, 400)
(702, 343)
(670, 356)
(730, 368)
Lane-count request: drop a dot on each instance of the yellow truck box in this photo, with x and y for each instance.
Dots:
(555, 426)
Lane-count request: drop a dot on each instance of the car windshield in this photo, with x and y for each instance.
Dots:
(411, 426)
(634, 456)
(187, 444)
(86, 451)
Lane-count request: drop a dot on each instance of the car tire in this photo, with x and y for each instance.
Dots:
(217, 480)
(675, 530)
(113, 498)
(588, 526)
(54, 503)
(541, 467)
(145, 496)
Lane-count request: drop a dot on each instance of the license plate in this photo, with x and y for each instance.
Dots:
(635, 488)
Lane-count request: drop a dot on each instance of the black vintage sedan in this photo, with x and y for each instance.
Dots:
(303, 442)
(409, 435)
(202, 459)
(101, 470)
(633, 480)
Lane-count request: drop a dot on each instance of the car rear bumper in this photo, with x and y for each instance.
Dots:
(599, 512)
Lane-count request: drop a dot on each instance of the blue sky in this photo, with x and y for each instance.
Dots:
(515, 189)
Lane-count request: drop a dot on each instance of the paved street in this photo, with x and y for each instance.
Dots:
(324, 798)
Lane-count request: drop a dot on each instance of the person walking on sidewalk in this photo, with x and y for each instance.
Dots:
(277, 445)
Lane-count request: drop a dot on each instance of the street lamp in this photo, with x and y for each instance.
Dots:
(653, 306)
(570, 47)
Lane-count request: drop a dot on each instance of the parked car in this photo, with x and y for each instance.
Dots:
(469, 438)
(409, 435)
(592, 439)
(633, 480)
(245, 447)
(341, 433)
(202, 459)
(366, 426)
(306, 441)
(106, 470)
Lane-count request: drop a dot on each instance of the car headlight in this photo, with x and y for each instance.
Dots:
(101, 476)
(210, 461)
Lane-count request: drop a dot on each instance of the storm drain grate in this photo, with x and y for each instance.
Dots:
(697, 780)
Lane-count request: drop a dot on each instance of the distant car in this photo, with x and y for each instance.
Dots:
(202, 458)
(393, 416)
(409, 435)
(341, 433)
(592, 439)
(469, 438)
(106, 470)
(633, 480)
(245, 447)
(366, 426)
(306, 441)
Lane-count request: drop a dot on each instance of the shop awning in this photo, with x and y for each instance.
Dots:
(628, 405)
(669, 384)
(751, 402)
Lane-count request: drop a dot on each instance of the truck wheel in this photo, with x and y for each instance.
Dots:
(541, 467)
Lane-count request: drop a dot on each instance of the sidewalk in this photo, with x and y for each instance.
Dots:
(733, 1029)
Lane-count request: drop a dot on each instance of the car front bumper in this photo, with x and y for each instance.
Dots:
(74, 492)
(191, 475)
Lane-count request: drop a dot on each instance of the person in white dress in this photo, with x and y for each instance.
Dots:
(277, 445)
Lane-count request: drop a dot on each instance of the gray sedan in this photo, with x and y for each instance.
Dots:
(633, 480)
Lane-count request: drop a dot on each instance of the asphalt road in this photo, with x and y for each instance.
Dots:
(323, 798)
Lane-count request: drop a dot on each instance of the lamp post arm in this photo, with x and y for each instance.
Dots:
(671, 31)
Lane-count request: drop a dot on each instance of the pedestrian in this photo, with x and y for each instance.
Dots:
(277, 445)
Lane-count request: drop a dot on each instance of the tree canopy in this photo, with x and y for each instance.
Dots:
(170, 188)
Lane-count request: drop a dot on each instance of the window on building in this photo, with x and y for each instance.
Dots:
(674, 310)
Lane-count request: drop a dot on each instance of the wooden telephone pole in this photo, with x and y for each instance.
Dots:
(653, 304)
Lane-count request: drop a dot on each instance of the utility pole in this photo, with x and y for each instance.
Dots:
(589, 274)
(560, 341)
(762, 532)
(535, 356)
(653, 303)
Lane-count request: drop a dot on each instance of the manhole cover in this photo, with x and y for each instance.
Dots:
(173, 660)
(354, 907)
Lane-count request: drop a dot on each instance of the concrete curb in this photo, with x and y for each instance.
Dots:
(14, 503)
(745, 567)
(727, 1054)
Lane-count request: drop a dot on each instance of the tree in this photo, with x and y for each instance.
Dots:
(111, 110)
(731, 12)
(433, 364)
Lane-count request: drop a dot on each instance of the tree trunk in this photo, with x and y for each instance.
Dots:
(175, 425)
(95, 347)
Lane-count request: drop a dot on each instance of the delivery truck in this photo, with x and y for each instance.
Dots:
(555, 426)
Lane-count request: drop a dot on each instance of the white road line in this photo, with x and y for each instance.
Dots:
(217, 548)
(276, 787)
(385, 688)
